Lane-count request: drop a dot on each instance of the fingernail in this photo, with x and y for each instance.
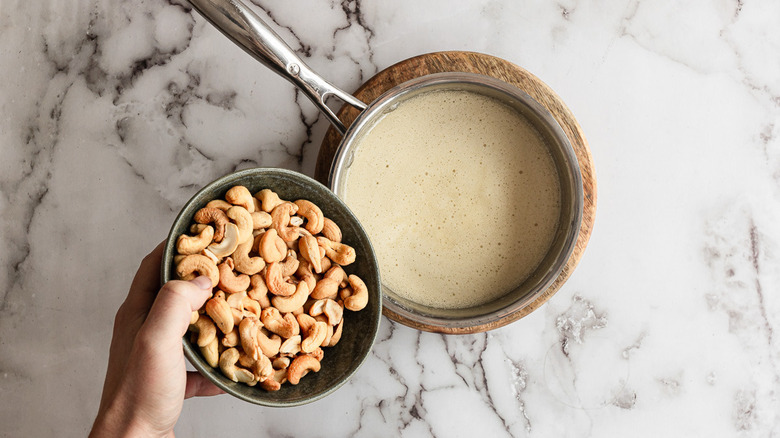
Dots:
(202, 282)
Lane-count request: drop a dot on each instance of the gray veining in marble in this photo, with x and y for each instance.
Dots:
(112, 114)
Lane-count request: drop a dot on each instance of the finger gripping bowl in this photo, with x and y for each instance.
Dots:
(360, 328)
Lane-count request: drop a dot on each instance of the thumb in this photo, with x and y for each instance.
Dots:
(169, 317)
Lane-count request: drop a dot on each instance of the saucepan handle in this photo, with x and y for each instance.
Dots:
(245, 28)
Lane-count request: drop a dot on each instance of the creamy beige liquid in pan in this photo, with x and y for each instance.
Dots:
(459, 196)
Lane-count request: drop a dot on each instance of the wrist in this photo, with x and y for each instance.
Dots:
(118, 419)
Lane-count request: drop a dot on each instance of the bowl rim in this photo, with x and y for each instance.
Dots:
(194, 358)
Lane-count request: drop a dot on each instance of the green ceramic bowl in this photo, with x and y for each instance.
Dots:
(360, 328)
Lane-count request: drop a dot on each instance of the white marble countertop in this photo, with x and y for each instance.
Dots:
(112, 114)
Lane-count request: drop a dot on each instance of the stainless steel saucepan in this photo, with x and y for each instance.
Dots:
(241, 25)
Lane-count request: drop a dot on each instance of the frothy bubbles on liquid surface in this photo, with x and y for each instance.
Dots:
(459, 196)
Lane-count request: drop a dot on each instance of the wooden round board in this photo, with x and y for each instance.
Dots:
(506, 71)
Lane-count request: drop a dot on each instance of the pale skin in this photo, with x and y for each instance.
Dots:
(146, 381)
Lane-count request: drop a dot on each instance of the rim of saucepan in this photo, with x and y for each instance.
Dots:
(485, 317)
(357, 352)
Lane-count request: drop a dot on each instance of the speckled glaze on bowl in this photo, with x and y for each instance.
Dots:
(360, 328)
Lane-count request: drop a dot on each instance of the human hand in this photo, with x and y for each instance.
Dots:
(146, 381)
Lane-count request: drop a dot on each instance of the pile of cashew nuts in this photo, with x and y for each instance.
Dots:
(279, 287)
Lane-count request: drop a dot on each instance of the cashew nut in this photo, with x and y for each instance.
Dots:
(331, 309)
(275, 382)
(329, 334)
(238, 315)
(258, 290)
(245, 361)
(209, 215)
(236, 300)
(304, 274)
(247, 331)
(218, 203)
(345, 292)
(194, 244)
(318, 354)
(260, 220)
(197, 228)
(262, 368)
(229, 281)
(337, 273)
(326, 263)
(331, 231)
(339, 253)
(252, 307)
(291, 346)
(271, 385)
(314, 337)
(220, 313)
(336, 335)
(274, 279)
(325, 288)
(227, 363)
(268, 200)
(280, 221)
(243, 220)
(206, 330)
(282, 362)
(244, 263)
(239, 195)
(306, 322)
(231, 339)
(210, 352)
(310, 251)
(269, 346)
(210, 255)
(315, 220)
(294, 301)
(272, 247)
(301, 366)
(359, 297)
(285, 326)
(290, 264)
(229, 242)
(201, 264)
